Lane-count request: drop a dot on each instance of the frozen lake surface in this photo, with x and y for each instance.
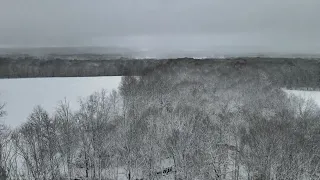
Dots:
(22, 95)
(314, 95)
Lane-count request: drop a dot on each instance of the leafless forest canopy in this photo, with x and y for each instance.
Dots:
(212, 122)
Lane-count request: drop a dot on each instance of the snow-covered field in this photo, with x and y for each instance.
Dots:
(313, 95)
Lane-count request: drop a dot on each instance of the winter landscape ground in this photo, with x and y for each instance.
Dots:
(187, 119)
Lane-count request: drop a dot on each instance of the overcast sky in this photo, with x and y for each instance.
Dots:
(286, 24)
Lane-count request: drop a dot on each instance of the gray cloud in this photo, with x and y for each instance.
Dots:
(291, 23)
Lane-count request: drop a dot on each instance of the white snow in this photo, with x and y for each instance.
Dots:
(314, 95)
(22, 95)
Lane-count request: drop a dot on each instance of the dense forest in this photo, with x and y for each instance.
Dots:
(181, 122)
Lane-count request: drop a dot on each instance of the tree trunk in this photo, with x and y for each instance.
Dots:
(184, 167)
(117, 169)
(150, 169)
(99, 168)
(52, 168)
(237, 162)
(129, 175)
(94, 168)
(3, 175)
(175, 168)
(87, 165)
(68, 167)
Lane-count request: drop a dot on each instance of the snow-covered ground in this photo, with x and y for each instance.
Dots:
(314, 95)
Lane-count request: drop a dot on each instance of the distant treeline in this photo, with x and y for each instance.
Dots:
(290, 73)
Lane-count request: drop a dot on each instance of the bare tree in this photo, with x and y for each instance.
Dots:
(4, 143)
(2, 111)
(67, 133)
(95, 119)
(36, 143)
(4, 151)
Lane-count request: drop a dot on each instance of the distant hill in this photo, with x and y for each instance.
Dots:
(113, 52)
(87, 52)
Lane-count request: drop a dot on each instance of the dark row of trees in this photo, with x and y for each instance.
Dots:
(221, 125)
(286, 72)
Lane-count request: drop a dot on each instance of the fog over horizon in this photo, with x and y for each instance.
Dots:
(280, 26)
